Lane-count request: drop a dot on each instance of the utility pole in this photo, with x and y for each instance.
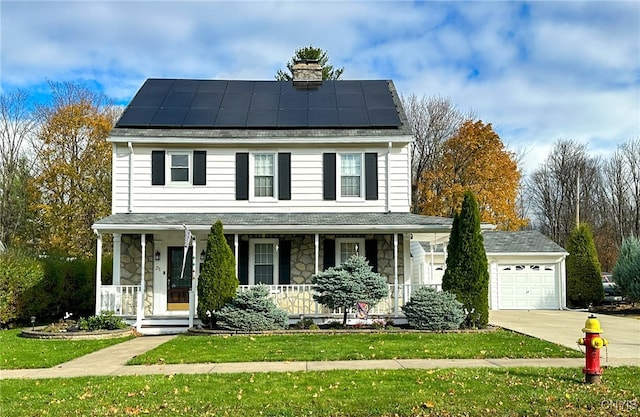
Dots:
(578, 201)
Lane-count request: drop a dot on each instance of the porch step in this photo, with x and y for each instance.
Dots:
(155, 330)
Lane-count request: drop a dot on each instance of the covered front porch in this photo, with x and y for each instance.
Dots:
(155, 273)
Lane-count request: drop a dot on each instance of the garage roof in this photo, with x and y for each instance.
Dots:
(526, 241)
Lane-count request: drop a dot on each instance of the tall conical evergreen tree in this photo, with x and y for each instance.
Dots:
(584, 279)
(218, 283)
(467, 273)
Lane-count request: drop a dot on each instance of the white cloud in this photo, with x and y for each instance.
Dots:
(538, 72)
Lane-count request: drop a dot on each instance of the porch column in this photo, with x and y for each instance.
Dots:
(317, 251)
(117, 239)
(236, 244)
(193, 293)
(143, 248)
(396, 308)
(98, 272)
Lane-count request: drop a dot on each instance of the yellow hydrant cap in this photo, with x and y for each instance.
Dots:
(592, 325)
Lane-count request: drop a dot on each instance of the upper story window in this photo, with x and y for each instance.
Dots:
(185, 168)
(179, 167)
(353, 175)
(263, 175)
(350, 174)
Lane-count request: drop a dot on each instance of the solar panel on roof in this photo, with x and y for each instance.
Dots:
(262, 117)
(186, 85)
(322, 100)
(210, 100)
(353, 117)
(213, 86)
(345, 87)
(240, 87)
(261, 104)
(235, 101)
(231, 117)
(294, 101)
(323, 117)
(137, 116)
(200, 117)
(293, 118)
(384, 117)
(350, 100)
(171, 116)
(378, 100)
(178, 99)
(265, 101)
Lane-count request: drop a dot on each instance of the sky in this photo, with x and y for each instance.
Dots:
(538, 71)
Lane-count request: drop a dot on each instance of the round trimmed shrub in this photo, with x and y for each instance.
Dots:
(250, 311)
(429, 309)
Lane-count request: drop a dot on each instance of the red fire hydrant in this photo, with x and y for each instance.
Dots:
(593, 343)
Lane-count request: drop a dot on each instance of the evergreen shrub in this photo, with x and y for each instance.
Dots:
(584, 278)
(429, 309)
(626, 273)
(217, 283)
(345, 285)
(251, 310)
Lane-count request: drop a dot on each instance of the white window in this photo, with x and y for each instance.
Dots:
(179, 167)
(347, 247)
(263, 267)
(263, 175)
(351, 175)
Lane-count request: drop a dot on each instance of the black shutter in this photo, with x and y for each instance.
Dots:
(199, 167)
(329, 176)
(243, 262)
(157, 167)
(242, 176)
(329, 253)
(371, 253)
(284, 262)
(284, 176)
(371, 175)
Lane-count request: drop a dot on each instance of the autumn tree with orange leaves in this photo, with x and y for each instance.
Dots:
(73, 188)
(476, 160)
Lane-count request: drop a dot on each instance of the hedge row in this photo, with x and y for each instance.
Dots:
(45, 287)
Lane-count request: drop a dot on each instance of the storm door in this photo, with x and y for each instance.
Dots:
(177, 287)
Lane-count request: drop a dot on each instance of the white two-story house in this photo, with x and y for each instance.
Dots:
(302, 174)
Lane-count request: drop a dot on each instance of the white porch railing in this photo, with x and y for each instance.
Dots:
(297, 300)
(124, 300)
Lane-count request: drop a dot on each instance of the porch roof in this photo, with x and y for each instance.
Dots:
(275, 222)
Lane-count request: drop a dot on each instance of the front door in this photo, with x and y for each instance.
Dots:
(178, 281)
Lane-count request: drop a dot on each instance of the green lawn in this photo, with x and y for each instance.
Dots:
(441, 392)
(19, 352)
(328, 347)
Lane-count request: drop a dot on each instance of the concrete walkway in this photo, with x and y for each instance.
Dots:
(562, 327)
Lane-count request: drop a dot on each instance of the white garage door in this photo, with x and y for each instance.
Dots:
(527, 287)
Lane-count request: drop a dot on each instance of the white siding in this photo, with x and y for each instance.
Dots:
(219, 193)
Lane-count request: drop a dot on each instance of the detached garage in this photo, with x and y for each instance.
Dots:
(526, 270)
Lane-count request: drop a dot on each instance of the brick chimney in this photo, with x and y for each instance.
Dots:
(307, 73)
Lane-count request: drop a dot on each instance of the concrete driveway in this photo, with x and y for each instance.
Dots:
(564, 327)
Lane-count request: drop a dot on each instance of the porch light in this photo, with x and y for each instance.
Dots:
(202, 254)
(157, 255)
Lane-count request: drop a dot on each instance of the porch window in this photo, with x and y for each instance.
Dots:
(179, 167)
(263, 175)
(346, 248)
(264, 265)
(350, 175)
